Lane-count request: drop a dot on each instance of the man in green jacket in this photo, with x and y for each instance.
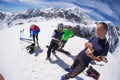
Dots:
(68, 33)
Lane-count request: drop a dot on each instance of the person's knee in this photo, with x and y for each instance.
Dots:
(73, 75)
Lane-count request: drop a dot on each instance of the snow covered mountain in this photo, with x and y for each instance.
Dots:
(2, 16)
(17, 64)
(75, 15)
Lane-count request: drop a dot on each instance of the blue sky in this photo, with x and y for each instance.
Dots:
(13, 6)
(102, 9)
(21, 5)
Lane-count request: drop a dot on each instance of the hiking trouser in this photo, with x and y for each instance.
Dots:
(53, 46)
(78, 66)
(35, 36)
(62, 44)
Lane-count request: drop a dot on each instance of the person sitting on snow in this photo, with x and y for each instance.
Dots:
(34, 31)
(95, 49)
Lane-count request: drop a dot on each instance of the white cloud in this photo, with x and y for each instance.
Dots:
(92, 12)
(98, 16)
(100, 6)
(11, 1)
(43, 3)
(34, 2)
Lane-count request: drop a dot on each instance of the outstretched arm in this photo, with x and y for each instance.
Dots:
(98, 58)
(89, 51)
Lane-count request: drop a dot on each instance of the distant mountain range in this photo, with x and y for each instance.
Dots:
(74, 15)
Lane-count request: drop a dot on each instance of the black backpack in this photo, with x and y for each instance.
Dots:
(31, 48)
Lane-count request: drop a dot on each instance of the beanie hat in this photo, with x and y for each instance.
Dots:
(69, 27)
(60, 25)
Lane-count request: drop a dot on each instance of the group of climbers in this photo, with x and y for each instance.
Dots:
(96, 48)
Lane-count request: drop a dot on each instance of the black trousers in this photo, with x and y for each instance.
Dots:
(77, 67)
(35, 36)
(53, 46)
(62, 44)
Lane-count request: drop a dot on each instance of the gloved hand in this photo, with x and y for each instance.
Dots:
(30, 35)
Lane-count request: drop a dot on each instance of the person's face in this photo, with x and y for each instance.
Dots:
(101, 32)
(32, 26)
(60, 29)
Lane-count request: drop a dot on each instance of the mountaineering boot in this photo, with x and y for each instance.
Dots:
(68, 69)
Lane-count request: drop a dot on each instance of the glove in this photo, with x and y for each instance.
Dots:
(30, 35)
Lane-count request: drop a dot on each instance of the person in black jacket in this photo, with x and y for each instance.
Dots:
(56, 38)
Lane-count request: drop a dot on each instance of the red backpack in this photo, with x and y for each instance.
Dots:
(93, 73)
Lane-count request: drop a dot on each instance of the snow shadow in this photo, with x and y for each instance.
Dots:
(38, 50)
(67, 53)
(79, 78)
(59, 62)
(71, 56)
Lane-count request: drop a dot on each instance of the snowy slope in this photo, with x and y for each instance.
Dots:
(17, 64)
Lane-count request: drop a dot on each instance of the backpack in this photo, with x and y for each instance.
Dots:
(93, 73)
(31, 48)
